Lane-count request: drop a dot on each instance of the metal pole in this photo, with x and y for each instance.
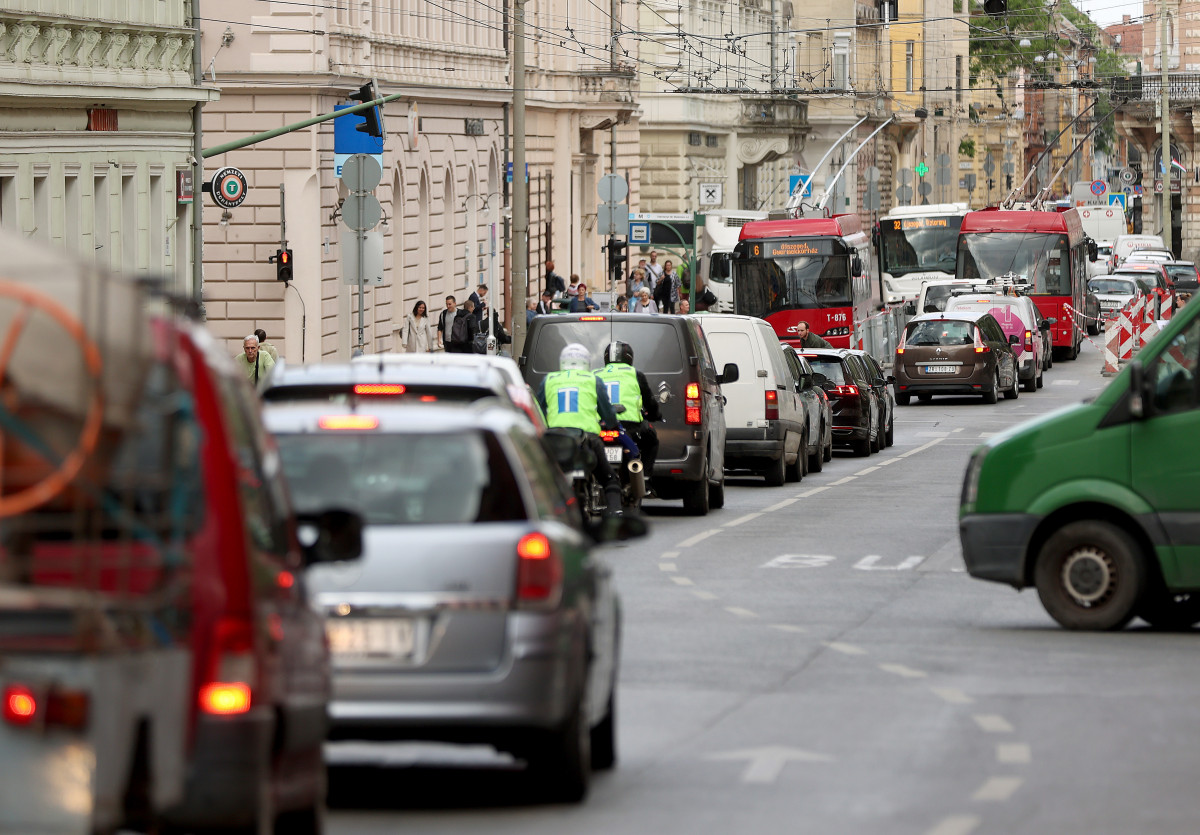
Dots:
(796, 197)
(612, 143)
(520, 244)
(282, 219)
(1166, 125)
(197, 167)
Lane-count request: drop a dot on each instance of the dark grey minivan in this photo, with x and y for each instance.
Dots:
(674, 355)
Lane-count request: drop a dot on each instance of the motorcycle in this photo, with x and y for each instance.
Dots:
(576, 461)
(628, 466)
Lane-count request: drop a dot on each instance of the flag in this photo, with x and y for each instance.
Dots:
(1176, 164)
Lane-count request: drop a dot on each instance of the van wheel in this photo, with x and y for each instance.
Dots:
(890, 437)
(716, 494)
(1041, 379)
(1014, 391)
(776, 471)
(1090, 575)
(991, 396)
(139, 810)
(1030, 385)
(903, 399)
(816, 461)
(1093, 329)
(1163, 609)
(795, 470)
(877, 441)
(695, 499)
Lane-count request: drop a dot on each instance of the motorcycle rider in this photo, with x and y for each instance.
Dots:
(629, 387)
(575, 397)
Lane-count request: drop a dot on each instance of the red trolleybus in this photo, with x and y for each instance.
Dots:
(805, 269)
(1047, 250)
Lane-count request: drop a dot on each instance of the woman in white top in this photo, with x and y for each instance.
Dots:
(643, 303)
(416, 334)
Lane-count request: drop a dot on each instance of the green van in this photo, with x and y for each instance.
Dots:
(1098, 505)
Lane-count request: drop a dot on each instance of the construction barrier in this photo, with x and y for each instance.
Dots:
(879, 334)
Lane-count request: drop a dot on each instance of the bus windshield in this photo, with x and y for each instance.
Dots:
(807, 274)
(1039, 258)
(916, 244)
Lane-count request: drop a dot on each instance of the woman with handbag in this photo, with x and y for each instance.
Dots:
(416, 334)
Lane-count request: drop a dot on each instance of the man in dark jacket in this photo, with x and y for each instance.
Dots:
(457, 328)
(808, 339)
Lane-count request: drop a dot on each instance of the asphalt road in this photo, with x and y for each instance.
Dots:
(813, 659)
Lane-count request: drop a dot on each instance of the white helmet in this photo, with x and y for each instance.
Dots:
(575, 357)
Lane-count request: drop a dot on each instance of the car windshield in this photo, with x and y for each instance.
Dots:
(656, 345)
(940, 332)
(936, 296)
(1113, 286)
(411, 478)
(1041, 259)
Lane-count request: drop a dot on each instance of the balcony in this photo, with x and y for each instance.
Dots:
(774, 113)
(1181, 87)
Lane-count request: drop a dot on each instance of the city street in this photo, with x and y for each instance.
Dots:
(814, 659)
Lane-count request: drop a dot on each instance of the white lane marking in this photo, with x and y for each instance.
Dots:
(866, 471)
(952, 431)
(740, 612)
(1064, 382)
(888, 461)
(683, 581)
(704, 595)
(902, 671)
(667, 566)
(787, 627)
(800, 561)
(700, 537)
(986, 434)
(922, 447)
(952, 695)
(992, 723)
(845, 480)
(741, 519)
(1014, 753)
(956, 825)
(780, 505)
(812, 492)
(998, 788)
(845, 649)
(871, 563)
(765, 764)
(669, 555)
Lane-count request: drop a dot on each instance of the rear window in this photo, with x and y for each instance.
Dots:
(831, 368)
(417, 478)
(936, 297)
(1115, 286)
(940, 332)
(656, 345)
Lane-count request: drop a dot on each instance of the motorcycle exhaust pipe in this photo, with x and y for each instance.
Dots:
(637, 479)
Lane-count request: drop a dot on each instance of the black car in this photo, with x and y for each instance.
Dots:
(674, 355)
(881, 385)
(856, 411)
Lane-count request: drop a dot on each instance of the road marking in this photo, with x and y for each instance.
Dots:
(956, 825)
(986, 434)
(950, 694)
(992, 723)
(766, 764)
(952, 431)
(669, 555)
(902, 671)
(800, 561)
(998, 788)
(667, 566)
(740, 612)
(1064, 382)
(812, 492)
(748, 517)
(846, 649)
(922, 447)
(780, 505)
(700, 537)
(683, 581)
(704, 595)
(866, 471)
(845, 480)
(787, 627)
(1014, 753)
(888, 461)
(869, 563)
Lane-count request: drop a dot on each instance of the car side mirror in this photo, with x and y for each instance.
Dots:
(856, 266)
(1093, 250)
(891, 379)
(330, 536)
(1013, 339)
(1051, 321)
(729, 374)
(1044, 325)
(910, 308)
(1138, 396)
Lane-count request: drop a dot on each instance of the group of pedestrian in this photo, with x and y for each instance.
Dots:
(258, 357)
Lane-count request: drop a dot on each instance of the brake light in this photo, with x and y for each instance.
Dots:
(225, 699)
(231, 670)
(348, 422)
(980, 348)
(772, 404)
(379, 388)
(591, 318)
(608, 435)
(691, 404)
(20, 706)
(539, 571)
(1028, 340)
(845, 391)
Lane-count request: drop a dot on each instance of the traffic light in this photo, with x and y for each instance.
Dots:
(373, 124)
(1008, 181)
(616, 258)
(283, 264)
(995, 8)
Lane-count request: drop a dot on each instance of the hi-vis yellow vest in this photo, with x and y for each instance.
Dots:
(571, 401)
(621, 385)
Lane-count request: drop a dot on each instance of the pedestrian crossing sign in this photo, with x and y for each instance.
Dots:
(1117, 199)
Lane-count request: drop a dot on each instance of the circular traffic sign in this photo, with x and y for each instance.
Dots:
(1127, 175)
(612, 188)
(361, 172)
(1098, 187)
(229, 187)
(361, 211)
(924, 189)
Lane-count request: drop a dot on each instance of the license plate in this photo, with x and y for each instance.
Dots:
(613, 454)
(940, 369)
(371, 637)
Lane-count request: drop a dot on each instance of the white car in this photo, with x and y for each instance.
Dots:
(1113, 292)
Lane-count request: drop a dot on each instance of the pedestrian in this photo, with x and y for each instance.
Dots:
(416, 333)
(546, 305)
(654, 270)
(582, 303)
(257, 364)
(554, 281)
(807, 338)
(666, 292)
(530, 311)
(637, 281)
(502, 336)
(622, 304)
(644, 304)
(457, 327)
(264, 345)
(685, 307)
(479, 297)
(573, 287)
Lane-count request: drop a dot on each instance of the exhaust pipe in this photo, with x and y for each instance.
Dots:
(637, 479)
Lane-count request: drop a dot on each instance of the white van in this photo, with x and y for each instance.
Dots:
(1125, 244)
(933, 294)
(765, 426)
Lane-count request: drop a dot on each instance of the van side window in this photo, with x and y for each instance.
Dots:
(1174, 372)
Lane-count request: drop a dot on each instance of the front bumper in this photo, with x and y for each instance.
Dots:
(994, 545)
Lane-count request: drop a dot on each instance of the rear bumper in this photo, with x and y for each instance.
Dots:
(748, 446)
(908, 381)
(994, 545)
(691, 467)
(1028, 369)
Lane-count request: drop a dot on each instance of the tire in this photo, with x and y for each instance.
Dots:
(310, 820)
(990, 397)
(716, 494)
(604, 736)
(1093, 329)
(877, 441)
(828, 455)
(903, 399)
(795, 471)
(925, 397)
(695, 497)
(562, 764)
(890, 437)
(1041, 379)
(1090, 575)
(816, 461)
(1165, 610)
(1014, 391)
(861, 448)
(1031, 385)
(776, 472)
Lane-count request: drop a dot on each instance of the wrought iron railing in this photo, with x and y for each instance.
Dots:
(1181, 87)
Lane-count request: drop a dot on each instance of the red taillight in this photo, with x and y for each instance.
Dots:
(772, 404)
(845, 391)
(1028, 340)
(348, 422)
(539, 571)
(691, 412)
(379, 388)
(225, 698)
(231, 668)
(900, 350)
(980, 348)
(591, 318)
(608, 435)
(20, 705)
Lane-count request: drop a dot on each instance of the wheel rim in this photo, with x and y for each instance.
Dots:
(1089, 576)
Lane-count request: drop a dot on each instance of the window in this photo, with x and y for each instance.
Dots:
(157, 231)
(841, 61)
(958, 77)
(8, 202)
(1173, 373)
(72, 231)
(694, 138)
(909, 66)
(41, 207)
(100, 227)
(129, 228)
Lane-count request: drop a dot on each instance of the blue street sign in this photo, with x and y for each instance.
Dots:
(639, 232)
(1117, 200)
(794, 180)
(347, 140)
(508, 169)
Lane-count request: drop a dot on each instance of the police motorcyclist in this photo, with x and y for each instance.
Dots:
(575, 397)
(629, 387)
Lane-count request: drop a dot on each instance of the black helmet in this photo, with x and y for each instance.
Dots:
(618, 352)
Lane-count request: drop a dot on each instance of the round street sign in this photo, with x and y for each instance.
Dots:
(361, 211)
(1127, 175)
(1098, 187)
(361, 172)
(612, 188)
(228, 188)
(924, 189)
